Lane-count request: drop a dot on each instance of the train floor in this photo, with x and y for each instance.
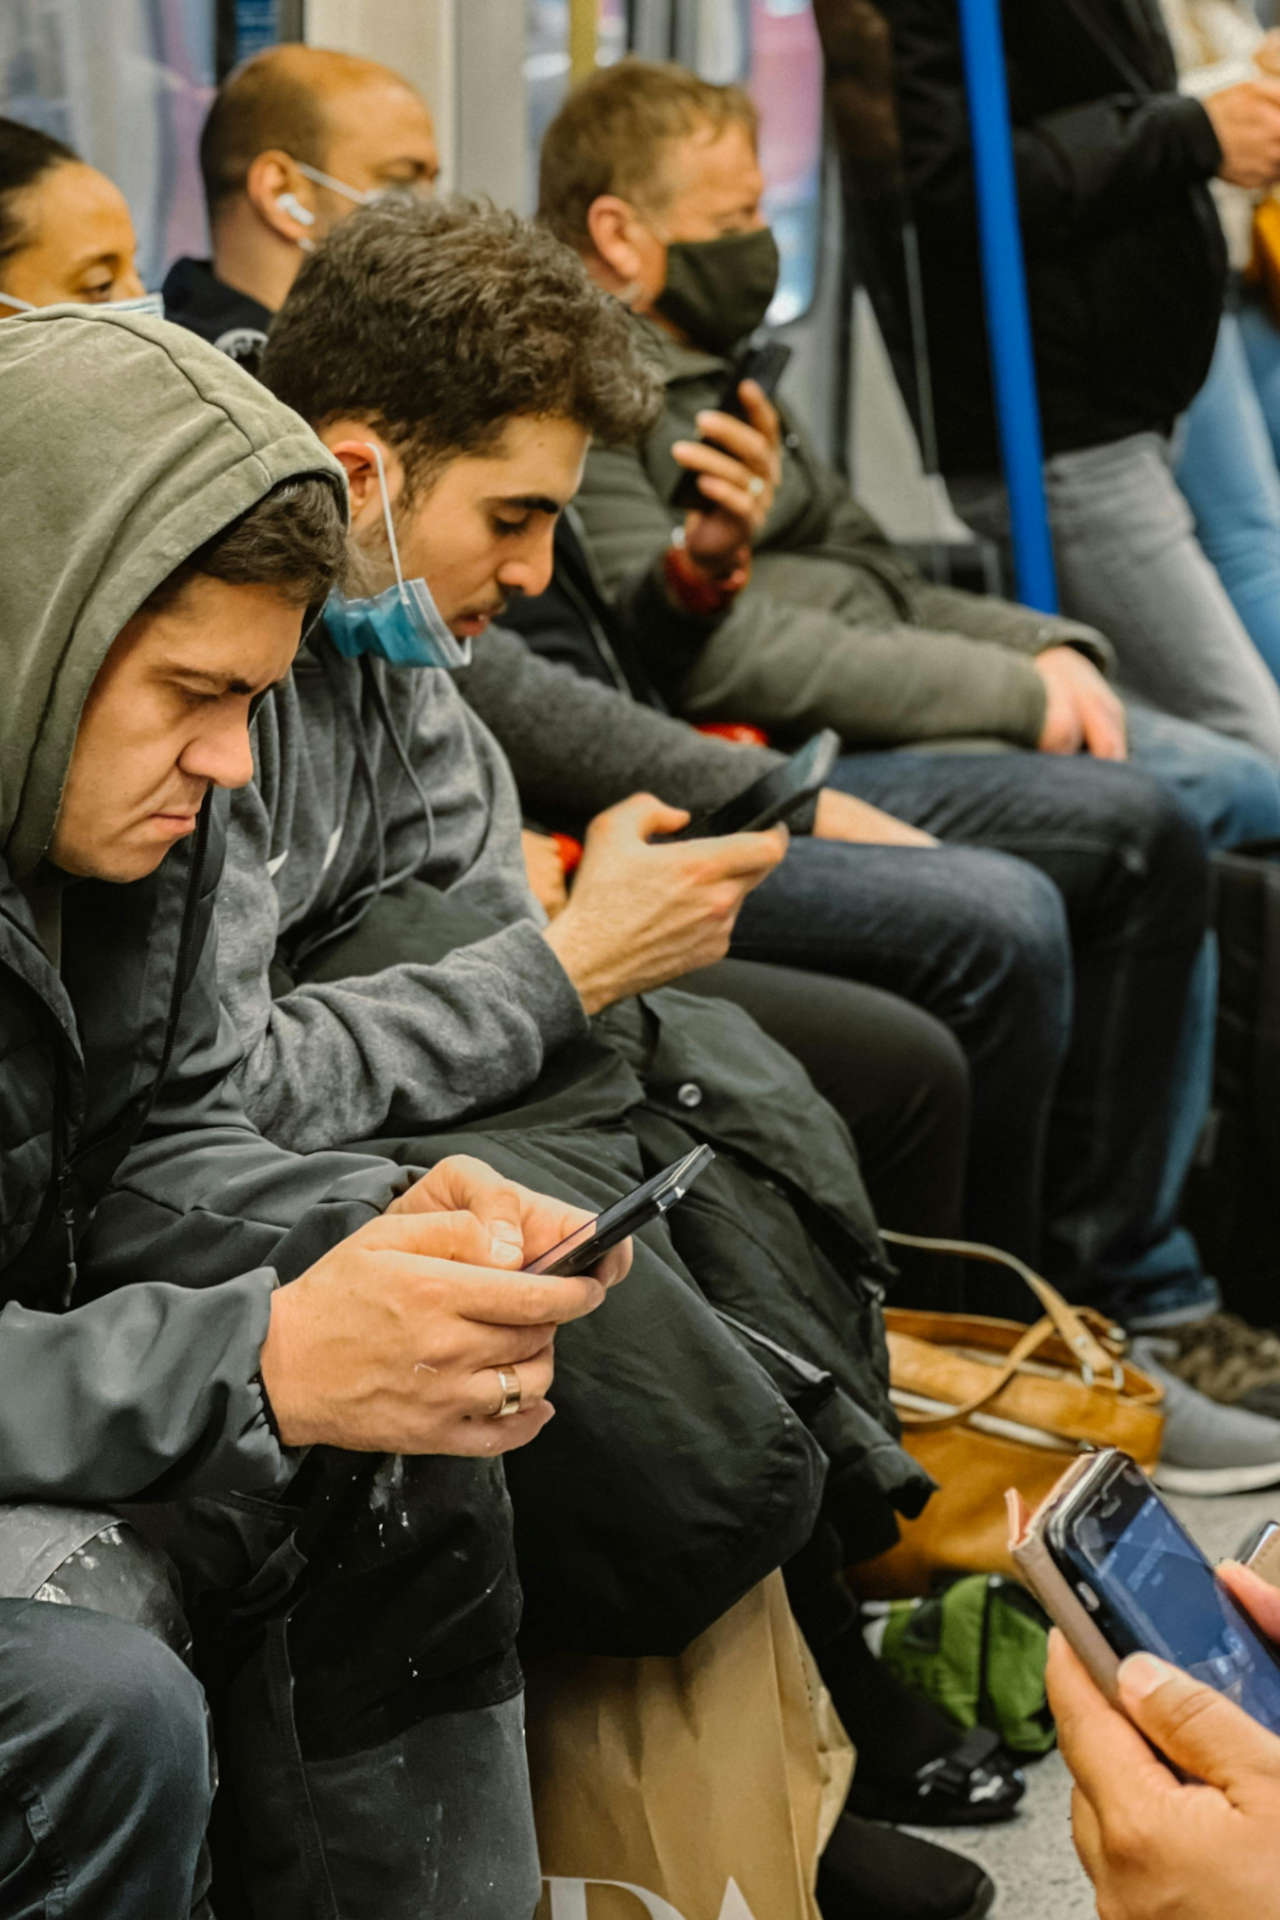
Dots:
(1031, 1859)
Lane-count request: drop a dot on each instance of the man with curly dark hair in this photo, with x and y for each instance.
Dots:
(518, 335)
(391, 978)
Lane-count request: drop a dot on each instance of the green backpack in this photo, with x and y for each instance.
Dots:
(977, 1649)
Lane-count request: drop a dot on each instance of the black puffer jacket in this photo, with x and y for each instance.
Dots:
(1125, 257)
(735, 1390)
(127, 1164)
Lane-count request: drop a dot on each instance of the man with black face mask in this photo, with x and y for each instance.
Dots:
(652, 175)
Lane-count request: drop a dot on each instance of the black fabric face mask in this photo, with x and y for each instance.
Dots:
(718, 291)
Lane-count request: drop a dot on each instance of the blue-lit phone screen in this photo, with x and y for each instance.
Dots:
(1159, 1585)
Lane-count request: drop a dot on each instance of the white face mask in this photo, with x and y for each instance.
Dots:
(152, 303)
(289, 202)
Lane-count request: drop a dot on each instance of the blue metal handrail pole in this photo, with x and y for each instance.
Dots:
(1004, 283)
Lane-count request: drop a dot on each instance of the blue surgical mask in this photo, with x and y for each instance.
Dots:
(152, 303)
(403, 625)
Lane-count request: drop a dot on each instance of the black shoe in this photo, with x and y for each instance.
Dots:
(974, 1785)
(916, 1767)
(873, 1873)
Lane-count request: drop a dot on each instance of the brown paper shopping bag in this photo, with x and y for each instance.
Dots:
(697, 1788)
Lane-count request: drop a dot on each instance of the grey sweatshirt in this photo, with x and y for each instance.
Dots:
(426, 1045)
(331, 808)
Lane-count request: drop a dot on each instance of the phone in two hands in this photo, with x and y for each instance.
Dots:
(589, 1243)
(765, 364)
(1119, 1574)
(774, 796)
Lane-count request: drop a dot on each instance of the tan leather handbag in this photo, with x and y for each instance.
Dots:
(988, 1404)
(1264, 265)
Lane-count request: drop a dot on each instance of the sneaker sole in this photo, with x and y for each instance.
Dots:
(1216, 1480)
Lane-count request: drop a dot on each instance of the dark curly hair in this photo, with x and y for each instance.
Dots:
(25, 155)
(294, 539)
(439, 321)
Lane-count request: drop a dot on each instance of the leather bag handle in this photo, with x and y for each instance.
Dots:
(1096, 1361)
(1031, 1341)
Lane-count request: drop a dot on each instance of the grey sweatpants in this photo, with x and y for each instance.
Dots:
(1129, 564)
(106, 1773)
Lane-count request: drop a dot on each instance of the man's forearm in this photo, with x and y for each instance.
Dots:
(577, 747)
(410, 1045)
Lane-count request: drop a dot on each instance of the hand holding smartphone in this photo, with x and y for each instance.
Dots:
(581, 1250)
(765, 364)
(1119, 1575)
(774, 796)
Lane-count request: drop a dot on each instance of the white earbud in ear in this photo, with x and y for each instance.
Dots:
(289, 203)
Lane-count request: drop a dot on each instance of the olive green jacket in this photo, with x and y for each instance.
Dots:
(835, 628)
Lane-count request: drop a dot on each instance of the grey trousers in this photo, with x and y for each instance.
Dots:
(107, 1774)
(1129, 564)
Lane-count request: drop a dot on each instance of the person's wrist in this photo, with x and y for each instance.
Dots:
(1201, 134)
(576, 951)
(698, 588)
(284, 1414)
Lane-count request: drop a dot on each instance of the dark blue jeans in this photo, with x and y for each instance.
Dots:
(104, 1768)
(1060, 935)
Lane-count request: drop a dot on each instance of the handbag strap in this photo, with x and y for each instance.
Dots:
(1096, 1360)
(1032, 1339)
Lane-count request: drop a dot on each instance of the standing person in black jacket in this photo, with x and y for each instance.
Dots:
(1125, 265)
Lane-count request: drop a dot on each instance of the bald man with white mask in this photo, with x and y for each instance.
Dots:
(296, 139)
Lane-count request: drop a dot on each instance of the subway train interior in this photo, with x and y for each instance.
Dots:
(640, 781)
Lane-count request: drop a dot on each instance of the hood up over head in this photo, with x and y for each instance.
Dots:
(128, 443)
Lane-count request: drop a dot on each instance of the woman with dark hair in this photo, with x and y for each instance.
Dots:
(65, 230)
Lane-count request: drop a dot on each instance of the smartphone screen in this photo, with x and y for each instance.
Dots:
(587, 1244)
(1151, 1590)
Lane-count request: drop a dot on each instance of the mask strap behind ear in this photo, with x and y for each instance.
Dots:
(376, 451)
(12, 300)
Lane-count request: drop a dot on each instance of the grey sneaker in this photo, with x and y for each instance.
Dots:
(1207, 1448)
(1222, 1356)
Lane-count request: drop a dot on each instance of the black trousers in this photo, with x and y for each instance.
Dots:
(106, 1766)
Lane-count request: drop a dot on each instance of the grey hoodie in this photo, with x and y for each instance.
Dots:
(331, 809)
(127, 1167)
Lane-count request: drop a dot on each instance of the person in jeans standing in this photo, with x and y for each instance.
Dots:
(1229, 442)
(1125, 269)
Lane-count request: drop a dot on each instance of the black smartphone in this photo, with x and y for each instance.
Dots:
(765, 364)
(1147, 1587)
(774, 795)
(591, 1241)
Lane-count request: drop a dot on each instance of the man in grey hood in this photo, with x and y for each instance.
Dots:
(224, 1339)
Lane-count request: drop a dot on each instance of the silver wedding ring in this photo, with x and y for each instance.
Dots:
(755, 486)
(509, 1381)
